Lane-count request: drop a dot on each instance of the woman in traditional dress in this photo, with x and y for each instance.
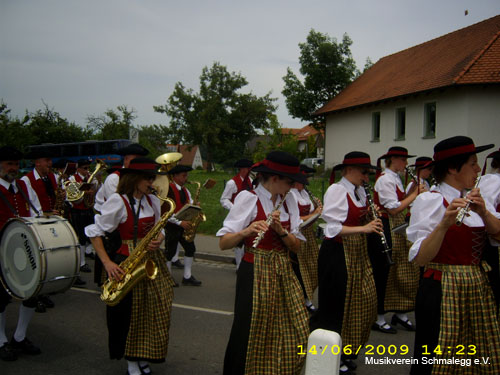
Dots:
(455, 311)
(396, 284)
(346, 294)
(305, 262)
(138, 326)
(270, 317)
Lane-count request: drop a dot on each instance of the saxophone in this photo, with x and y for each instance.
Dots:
(136, 267)
(190, 233)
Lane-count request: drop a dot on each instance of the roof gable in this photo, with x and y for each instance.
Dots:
(466, 56)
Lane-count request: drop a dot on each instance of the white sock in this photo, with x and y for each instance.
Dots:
(381, 320)
(89, 249)
(402, 316)
(308, 303)
(82, 255)
(133, 368)
(188, 262)
(238, 255)
(145, 367)
(25, 315)
(169, 266)
(3, 337)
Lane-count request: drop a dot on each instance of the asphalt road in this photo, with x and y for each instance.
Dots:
(73, 335)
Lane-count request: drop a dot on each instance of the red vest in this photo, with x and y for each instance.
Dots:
(126, 229)
(400, 194)
(241, 185)
(174, 193)
(304, 210)
(354, 216)
(16, 201)
(46, 201)
(271, 240)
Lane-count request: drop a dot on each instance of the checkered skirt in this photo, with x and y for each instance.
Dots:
(360, 307)
(402, 282)
(150, 320)
(308, 261)
(279, 317)
(468, 317)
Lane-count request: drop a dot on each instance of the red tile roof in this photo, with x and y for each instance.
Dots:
(466, 56)
(302, 133)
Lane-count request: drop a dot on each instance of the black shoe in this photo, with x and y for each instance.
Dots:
(407, 324)
(350, 364)
(85, 268)
(25, 346)
(191, 281)
(7, 353)
(47, 301)
(145, 370)
(311, 308)
(178, 264)
(90, 255)
(79, 282)
(40, 307)
(385, 328)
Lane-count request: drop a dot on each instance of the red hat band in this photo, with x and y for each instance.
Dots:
(440, 155)
(280, 167)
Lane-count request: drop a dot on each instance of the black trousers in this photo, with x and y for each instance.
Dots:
(236, 351)
(379, 263)
(173, 235)
(490, 255)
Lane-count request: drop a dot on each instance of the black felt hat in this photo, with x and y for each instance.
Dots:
(84, 162)
(142, 166)
(456, 146)
(133, 149)
(60, 163)
(243, 163)
(114, 167)
(357, 159)
(397, 151)
(37, 154)
(422, 162)
(8, 153)
(282, 164)
(306, 169)
(180, 169)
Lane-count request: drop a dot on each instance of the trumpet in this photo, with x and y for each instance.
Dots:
(464, 211)
(374, 213)
(260, 235)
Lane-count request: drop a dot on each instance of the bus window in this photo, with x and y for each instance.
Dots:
(88, 149)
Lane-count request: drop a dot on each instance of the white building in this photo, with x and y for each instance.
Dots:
(417, 97)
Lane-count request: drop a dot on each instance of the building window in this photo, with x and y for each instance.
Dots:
(400, 124)
(430, 120)
(376, 127)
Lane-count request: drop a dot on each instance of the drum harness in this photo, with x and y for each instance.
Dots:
(14, 211)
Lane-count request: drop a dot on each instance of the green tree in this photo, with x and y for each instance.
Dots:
(153, 137)
(113, 124)
(327, 67)
(219, 117)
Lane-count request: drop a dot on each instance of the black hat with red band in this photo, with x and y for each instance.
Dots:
(422, 162)
(142, 166)
(282, 164)
(456, 146)
(356, 159)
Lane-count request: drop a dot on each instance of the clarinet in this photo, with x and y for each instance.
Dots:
(260, 235)
(373, 211)
(464, 211)
(317, 203)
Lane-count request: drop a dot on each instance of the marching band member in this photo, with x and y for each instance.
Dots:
(455, 306)
(44, 183)
(270, 318)
(129, 153)
(138, 326)
(233, 187)
(305, 262)
(175, 228)
(397, 284)
(490, 191)
(423, 170)
(16, 200)
(346, 294)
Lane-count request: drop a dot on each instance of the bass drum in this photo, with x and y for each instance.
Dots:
(38, 255)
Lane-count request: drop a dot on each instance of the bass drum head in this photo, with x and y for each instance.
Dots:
(38, 256)
(20, 259)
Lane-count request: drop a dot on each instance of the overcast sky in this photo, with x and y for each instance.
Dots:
(84, 57)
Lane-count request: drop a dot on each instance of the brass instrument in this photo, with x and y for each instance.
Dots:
(60, 193)
(190, 233)
(261, 234)
(168, 161)
(374, 213)
(75, 194)
(136, 267)
(464, 211)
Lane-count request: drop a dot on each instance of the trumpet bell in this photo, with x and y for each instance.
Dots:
(169, 158)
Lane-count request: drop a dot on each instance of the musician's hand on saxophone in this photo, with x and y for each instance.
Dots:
(155, 244)
(186, 224)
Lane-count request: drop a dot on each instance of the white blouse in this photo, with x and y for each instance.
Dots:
(302, 198)
(386, 189)
(336, 206)
(489, 186)
(108, 188)
(244, 212)
(114, 212)
(227, 194)
(189, 200)
(427, 212)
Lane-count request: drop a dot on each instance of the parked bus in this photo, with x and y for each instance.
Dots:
(74, 151)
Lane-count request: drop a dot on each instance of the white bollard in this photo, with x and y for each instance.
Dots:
(323, 353)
